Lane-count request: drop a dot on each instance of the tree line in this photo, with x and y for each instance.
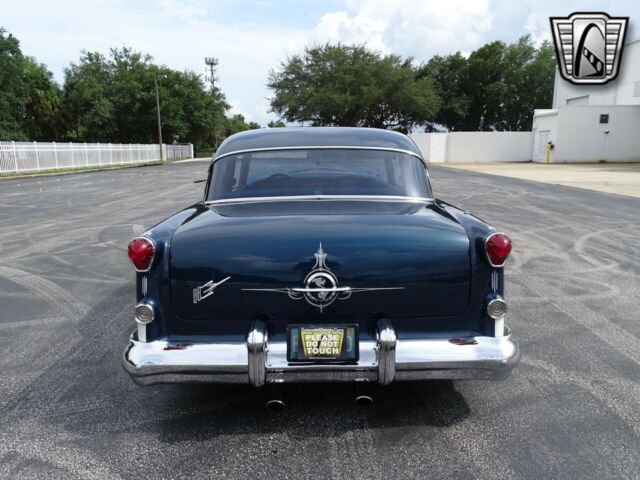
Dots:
(495, 87)
(112, 98)
(109, 98)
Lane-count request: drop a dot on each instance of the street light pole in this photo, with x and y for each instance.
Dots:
(158, 116)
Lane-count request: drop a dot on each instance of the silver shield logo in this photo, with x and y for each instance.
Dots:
(589, 46)
(320, 287)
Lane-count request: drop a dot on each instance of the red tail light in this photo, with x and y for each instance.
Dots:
(498, 247)
(141, 251)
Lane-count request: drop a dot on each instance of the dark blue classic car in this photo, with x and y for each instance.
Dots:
(319, 254)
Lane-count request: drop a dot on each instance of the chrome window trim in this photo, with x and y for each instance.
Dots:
(293, 198)
(320, 147)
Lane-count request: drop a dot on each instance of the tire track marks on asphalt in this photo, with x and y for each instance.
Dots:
(55, 295)
(615, 393)
(52, 446)
(618, 338)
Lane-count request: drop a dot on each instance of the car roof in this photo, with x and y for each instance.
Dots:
(275, 138)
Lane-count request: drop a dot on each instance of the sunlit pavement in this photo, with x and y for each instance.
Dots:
(68, 410)
(618, 178)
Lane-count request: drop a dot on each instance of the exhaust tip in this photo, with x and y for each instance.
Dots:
(275, 405)
(364, 400)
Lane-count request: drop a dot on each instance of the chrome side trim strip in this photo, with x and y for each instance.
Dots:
(144, 285)
(295, 198)
(386, 352)
(257, 352)
(319, 147)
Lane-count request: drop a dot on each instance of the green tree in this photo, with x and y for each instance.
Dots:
(13, 90)
(87, 99)
(276, 124)
(351, 86)
(114, 100)
(450, 79)
(496, 88)
(529, 77)
(486, 87)
(236, 123)
(44, 116)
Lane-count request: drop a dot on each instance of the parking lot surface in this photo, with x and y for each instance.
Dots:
(68, 410)
(618, 178)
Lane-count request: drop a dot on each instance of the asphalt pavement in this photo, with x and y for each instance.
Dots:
(571, 410)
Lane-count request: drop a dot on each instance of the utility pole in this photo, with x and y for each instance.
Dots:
(158, 116)
(211, 63)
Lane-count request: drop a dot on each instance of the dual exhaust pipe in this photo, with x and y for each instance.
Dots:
(276, 404)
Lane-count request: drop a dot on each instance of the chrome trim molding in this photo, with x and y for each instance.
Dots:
(319, 147)
(302, 198)
(384, 360)
(494, 281)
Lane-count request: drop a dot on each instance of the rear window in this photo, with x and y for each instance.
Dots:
(318, 172)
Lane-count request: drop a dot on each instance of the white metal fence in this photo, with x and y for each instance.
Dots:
(26, 157)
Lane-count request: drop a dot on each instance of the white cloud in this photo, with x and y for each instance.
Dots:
(410, 27)
(537, 25)
(342, 27)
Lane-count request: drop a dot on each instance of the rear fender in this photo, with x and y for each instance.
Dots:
(153, 286)
(486, 280)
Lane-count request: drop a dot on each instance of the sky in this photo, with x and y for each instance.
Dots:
(251, 37)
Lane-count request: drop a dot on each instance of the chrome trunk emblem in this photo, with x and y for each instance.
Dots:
(321, 287)
(206, 290)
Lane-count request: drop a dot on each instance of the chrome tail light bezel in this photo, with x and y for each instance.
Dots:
(153, 256)
(486, 241)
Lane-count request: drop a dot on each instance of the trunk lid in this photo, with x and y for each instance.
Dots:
(400, 260)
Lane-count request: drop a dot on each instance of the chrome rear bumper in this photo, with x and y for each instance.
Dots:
(259, 361)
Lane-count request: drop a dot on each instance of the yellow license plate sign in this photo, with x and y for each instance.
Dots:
(322, 343)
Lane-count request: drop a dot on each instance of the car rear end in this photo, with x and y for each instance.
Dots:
(425, 301)
(320, 263)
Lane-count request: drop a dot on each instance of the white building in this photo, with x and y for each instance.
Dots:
(592, 123)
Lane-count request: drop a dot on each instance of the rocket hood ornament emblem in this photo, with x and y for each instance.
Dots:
(320, 287)
(206, 290)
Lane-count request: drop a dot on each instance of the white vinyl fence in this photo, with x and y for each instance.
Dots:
(28, 157)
